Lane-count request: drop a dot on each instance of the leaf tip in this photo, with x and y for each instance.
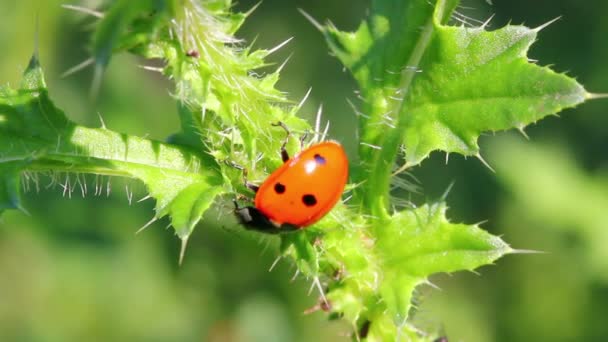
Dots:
(33, 77)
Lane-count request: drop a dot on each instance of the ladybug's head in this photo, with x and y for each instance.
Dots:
(253, 219)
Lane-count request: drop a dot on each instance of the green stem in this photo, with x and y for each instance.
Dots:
(378, 188)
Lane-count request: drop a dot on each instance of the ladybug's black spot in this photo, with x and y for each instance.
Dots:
(309, 200)
(319, 159)
(279, 188)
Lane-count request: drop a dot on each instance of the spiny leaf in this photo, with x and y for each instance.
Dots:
(421, 242)
(372, 269)
(474, 81)
(427, 86)
(463, 80)
(35, 136)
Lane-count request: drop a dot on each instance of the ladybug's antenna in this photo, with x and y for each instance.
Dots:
(302, 139)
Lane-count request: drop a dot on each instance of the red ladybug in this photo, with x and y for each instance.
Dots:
(300, 192)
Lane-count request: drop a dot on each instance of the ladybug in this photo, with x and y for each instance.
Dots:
(300, 192)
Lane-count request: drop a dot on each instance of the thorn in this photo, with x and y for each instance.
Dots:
(444, 196)
(23, 210)
(355, 110)
(284, 63)
(521, 130)
(182, 250)
(274, 263)
(103, 124)
(37, 36)
(146, 225)
(318, 122)
(447, 158)
(317, 282)
(311, 20)
(527, 251)
(96, 185)
(252, 9)
(144, 198)
(299, 106)
(151, 68)
(591, 96)
(84, 10)
(325, 132)
(82, 189)
(482, 222)
(295, 276)
(65, 186)
(274, 49)
(484, 162)
(129, 194)
(539, 28)
(403, 167)
(475, 272)
(370, 145)
(78, 67)
(429, 283)
(485, 23)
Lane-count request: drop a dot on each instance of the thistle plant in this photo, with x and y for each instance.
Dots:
(425, 85)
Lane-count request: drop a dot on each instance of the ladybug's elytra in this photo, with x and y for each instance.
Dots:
(300, 192)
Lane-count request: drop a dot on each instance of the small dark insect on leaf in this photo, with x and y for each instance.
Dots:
(193, 53)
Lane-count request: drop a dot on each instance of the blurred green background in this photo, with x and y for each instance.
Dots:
(74, 270)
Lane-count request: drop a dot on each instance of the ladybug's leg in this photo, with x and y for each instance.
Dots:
(284, 154)
(250, 186)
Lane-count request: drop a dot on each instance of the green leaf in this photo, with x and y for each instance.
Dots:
(427, 86)
(35, 136)
(428, 243)
(375, 270)
(473, 81)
